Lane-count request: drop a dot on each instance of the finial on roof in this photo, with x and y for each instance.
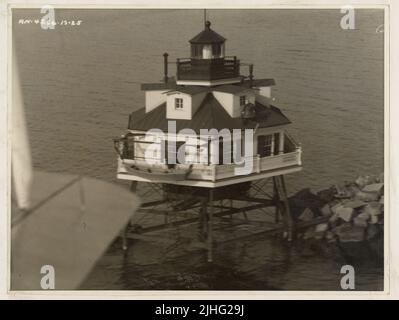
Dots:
(207, 24)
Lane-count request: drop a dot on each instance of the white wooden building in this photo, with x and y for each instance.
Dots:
(207, 93)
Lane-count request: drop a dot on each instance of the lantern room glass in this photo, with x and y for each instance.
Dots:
(207, 51)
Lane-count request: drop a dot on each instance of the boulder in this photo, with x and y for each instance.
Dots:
(375, 187)
(335, 206)
(306, 215)
(345, 214)
(374, 208)
(354, 204)
(334, 203)
(333, 219)
(342, 228)
(362, 181)
(309, 233)
(367, 196)
(373, 220)
(343, 191)
(305, 199)
(322, 227)
(326, 211)
(360, 221)
(316, 232)
(320, 231)
(354, 188)
(364, 215)
(327, 195)
(302, 200)
(348, 233)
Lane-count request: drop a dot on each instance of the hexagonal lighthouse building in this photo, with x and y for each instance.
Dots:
(210, 132)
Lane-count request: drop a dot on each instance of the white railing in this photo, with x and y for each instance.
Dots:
(261, 164)
(214, 172)
(281, 160)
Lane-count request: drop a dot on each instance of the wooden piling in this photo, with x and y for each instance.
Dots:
(279, 184)
(210, 222)
(133, 188)
(204, 200)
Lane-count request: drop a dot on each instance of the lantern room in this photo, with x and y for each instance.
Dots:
(208, 65)
(207, 44)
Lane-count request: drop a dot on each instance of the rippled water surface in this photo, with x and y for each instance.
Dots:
(81, 82)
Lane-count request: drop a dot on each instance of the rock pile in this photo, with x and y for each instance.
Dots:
(353, 211)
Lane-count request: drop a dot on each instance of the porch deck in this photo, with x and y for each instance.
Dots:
(214, 175)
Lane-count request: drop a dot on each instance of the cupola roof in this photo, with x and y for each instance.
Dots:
(207, 36)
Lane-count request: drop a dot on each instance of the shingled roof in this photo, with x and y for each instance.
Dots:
(210, 115)
(259, 83)
(158, 86)
(230, 88)
(191, 90)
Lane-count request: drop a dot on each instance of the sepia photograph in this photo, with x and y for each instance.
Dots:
(207, 149)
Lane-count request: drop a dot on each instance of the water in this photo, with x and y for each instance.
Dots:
(81, 82)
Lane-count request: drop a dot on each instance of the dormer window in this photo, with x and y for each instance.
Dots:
(243, 100)
(178, 103)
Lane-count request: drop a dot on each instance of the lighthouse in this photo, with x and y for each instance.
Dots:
(210, 133)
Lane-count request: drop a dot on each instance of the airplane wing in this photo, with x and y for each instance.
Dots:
(71, 222)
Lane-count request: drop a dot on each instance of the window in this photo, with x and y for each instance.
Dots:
(216, 50)
(265, 145)
(196, 51)
(242, 100)
(178, 103)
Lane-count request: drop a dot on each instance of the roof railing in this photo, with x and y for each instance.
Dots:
(208, 69)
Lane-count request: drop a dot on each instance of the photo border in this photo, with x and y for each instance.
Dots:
(390, 175)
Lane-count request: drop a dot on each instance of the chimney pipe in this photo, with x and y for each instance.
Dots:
(165, 67)
(251, 76)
